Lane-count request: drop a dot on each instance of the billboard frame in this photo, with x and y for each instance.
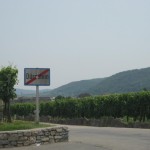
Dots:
(25, 69)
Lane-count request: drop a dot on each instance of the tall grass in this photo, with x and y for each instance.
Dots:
(20, 125)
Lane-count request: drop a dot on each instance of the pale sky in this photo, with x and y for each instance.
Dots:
(76, 39)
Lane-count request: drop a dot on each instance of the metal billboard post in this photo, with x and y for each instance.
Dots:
(37, 105)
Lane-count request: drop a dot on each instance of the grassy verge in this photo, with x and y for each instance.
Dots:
(21, 125)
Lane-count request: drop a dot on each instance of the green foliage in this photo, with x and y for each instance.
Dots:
(131, 105)
(8, 78)
(59, 97)
(20, 125)
(23, 109)
(83, 95)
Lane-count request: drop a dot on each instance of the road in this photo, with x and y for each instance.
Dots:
(98, 138)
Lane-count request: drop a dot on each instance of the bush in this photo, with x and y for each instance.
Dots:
(131, 105)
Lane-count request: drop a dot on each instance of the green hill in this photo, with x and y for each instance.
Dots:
(127, 81)
(75, 88)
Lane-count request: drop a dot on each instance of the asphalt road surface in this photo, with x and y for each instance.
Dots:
(98, 138)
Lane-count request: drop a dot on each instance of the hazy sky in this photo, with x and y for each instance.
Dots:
(77, 39)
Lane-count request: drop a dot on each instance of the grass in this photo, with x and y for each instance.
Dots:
(21, 125)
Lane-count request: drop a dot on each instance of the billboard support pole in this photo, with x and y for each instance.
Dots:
(37, 105)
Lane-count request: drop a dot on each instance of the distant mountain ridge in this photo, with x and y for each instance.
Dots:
(76, 88)
(126, 81)
(23, 92)
(30, 93)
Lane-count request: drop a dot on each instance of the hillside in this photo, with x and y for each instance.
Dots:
(75, 88)
(127, 81)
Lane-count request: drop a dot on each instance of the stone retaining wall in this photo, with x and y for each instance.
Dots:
(33, 136)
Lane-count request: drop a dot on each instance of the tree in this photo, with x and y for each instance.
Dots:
(59, 97)
(82, 95)
(8, 78)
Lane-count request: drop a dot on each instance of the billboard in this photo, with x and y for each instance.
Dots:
(37, 76)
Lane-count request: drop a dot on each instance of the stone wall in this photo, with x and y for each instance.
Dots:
(33, 136)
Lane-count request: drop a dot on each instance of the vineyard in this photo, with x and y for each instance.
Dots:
(130, 105)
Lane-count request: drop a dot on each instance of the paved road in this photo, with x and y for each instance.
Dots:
(94, 138)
